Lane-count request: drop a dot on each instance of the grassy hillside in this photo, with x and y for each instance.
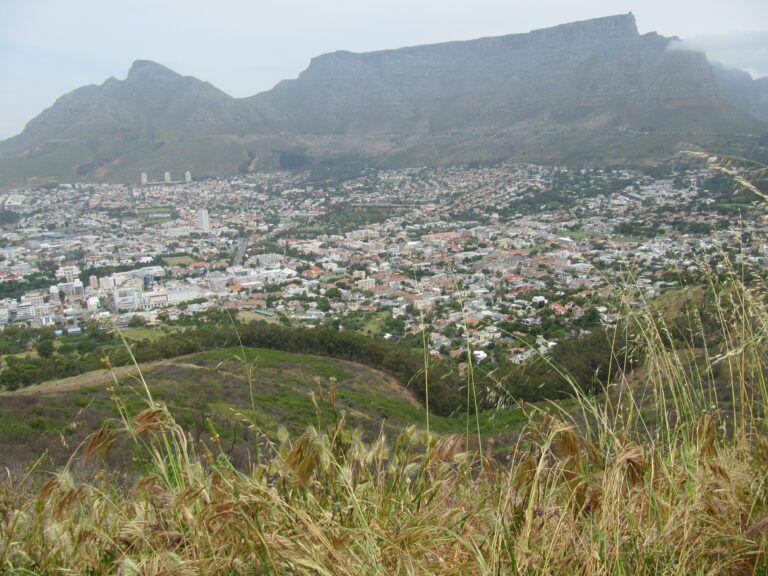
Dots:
(245, 396)
(665, 480)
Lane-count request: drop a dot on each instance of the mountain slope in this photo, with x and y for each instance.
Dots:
(593, 91)
(91, 131)
(538, 96)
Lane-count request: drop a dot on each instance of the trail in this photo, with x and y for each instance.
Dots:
(93, 378)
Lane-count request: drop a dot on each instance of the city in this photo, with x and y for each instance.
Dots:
(505, 260)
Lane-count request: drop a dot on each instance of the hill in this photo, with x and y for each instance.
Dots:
(689, 497)
(592, 92)
(244, 395)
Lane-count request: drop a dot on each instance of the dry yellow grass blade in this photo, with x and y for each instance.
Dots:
(632, 457)
(151, 420)
(100, 442)
(304, 457)
(447, 447)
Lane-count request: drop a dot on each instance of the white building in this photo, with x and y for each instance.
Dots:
(203, 220)
(366, 283)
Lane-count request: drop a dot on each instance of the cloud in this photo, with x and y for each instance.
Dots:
(744, 50)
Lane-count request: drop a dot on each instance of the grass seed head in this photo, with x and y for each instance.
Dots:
(100, 442)
(151, 420)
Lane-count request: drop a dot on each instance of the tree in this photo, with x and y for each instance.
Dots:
(137, 321)
(333, 293)
(591, 318)
(45, 347)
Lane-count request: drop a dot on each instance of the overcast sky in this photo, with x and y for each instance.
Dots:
(50, 47)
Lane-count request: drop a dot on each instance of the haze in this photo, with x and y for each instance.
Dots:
(50, 47)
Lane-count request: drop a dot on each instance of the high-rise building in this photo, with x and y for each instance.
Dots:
(202, 220)
(187, 176)
(167, 177)
(144, 179)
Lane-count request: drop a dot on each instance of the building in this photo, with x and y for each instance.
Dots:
(203, 221)
(69, 272)
(366, 283)
(126, 298)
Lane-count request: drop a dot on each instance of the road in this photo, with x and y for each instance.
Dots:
(242, 244)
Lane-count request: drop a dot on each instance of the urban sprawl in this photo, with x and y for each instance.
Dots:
(503, 260)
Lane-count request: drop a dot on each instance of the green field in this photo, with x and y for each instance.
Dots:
(374, 324)
(146, 333)
(155, 210)
(178, 260)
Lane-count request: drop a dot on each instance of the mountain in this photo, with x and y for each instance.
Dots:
(587, 92)
(148, 121)
(744, 92)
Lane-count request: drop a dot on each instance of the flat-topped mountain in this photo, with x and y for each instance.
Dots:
(589, 92)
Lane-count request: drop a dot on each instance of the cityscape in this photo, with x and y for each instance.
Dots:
(518, 255)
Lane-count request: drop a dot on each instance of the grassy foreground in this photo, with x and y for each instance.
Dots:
(666, 473)
(686, 496)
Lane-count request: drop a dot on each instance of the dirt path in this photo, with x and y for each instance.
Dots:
(104, 377)
(94, 378)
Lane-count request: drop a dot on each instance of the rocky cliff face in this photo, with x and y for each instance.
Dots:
(597, 68)
(588, 91)
(594, 91)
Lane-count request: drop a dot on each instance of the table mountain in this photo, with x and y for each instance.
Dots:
(592, 92)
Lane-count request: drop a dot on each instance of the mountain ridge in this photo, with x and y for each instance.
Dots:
(593, 91)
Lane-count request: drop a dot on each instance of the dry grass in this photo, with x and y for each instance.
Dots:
(330, 505)
(686, 495)
(564, 503)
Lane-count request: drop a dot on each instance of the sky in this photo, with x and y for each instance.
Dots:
(243, 47)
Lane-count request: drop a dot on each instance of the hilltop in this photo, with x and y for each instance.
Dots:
(591, 92)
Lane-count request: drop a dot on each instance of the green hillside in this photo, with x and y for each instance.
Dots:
(245, 396)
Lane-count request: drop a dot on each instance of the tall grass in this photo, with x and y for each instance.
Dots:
(648, 482)
(665, 473)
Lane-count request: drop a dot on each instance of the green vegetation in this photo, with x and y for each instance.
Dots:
(178, 260)
(34, 281)
(8, 217)
(139, 333)
(232, 389)
(268, 456)
(662, 474)
(344, 218)
(77, 354)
